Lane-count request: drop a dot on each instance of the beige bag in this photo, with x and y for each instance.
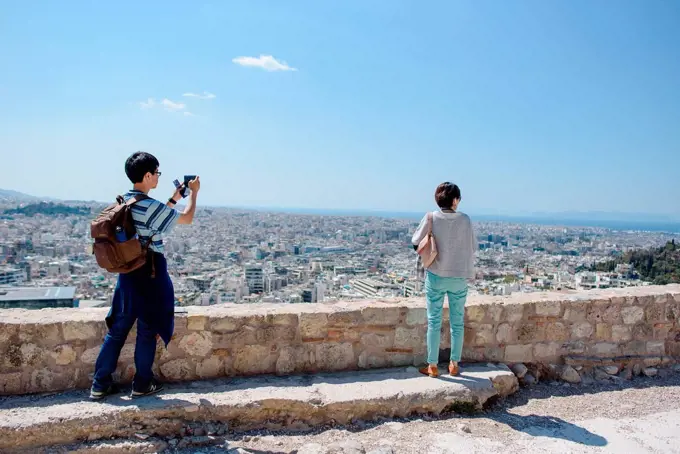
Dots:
(427, 249)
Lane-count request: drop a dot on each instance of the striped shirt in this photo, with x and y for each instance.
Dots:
(153, 220)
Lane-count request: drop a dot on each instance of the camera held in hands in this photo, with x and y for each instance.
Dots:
(185, 185)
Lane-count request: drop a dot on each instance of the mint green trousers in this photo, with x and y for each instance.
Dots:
(436, 288)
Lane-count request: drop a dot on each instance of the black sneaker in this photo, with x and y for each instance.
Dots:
(153, 388)
(96, 394)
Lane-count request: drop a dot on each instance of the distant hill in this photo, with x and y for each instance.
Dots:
(48, 209)
(8, 195)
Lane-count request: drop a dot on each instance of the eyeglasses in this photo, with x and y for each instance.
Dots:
(157, 173)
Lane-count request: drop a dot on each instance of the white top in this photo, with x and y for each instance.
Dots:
(456, 244)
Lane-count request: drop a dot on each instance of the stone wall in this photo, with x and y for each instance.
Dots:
(55, 349)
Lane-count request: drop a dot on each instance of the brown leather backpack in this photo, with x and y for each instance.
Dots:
(117, 247)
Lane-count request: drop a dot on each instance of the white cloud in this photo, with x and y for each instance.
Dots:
(205, 95)
(189, 114)
(266, 62)
(173, 106)
(148, 104)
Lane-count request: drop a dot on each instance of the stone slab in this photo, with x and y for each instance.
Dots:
(244, 404)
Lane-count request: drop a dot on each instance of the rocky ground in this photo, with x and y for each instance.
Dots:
(607, 415)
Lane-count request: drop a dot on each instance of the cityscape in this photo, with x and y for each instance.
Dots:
(238, 256)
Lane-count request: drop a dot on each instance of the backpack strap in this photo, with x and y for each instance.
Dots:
(134, 199)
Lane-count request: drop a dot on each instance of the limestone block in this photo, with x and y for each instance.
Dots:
(575, 312)
(31, 354)
(545, 351)
(177, 370)
(338, 356)
(254, 359)
(656, 348)
(90, 355)
(197, 343)
(483, 335)
(549, 308)
(408, 337)
(475, 313)
(47, 380)
(381, 315)
(196, 322)
(380, 339)
(581, 330)
(655, 312)
(64, 354)
(41, 333)
(79, 331)
(604, 349)
(603, 331)
(211, 367)
(530, 332)
(313, 325)
(10, 383)
(519, 354)
(643, 331)
(282, 319)
(505, 334)
(225, 324)
(556, 331)
(621, 333)
(513, 313)
(346, 318)
(632, 315)
(416, 316)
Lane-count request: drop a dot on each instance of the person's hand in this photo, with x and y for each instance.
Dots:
(177, 196)
(195, 185)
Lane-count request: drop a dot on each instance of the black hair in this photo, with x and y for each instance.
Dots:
(445, 194)
(138, 164)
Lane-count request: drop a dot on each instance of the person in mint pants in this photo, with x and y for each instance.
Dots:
(448, 275)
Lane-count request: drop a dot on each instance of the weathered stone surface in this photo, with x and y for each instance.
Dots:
(46, 333)
(89, 356)
(603, 331)
(611, 370)
(335, 356)
(530, 332)
(416, 316)
(513, 313)
(475, 313)
(556, 331)
(197, 322)
(313, 325)
(650, 371)
(383, 340)
(606, 349)
(655, 312)
(575, 312)
(225, 324)
(408, 337)
(79, 331)
(197, 344)
(570, 375)
(381, 315)
(632, 315)
(581, 330)
(519, 353)
(621, 333)
(178, 369)
(211, 367)
(254, 359)
(545, 352)
(520, 370)
(505, 334)
(346, 318)
(549, 308)
(656, 348)
(64, 354)
(483, 334)
(10, 383)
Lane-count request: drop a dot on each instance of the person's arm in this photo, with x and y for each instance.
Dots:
(187, 217)
(420, 232)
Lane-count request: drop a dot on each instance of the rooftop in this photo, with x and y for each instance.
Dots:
(36, 293)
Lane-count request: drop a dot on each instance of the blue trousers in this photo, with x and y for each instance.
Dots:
(436, 288)
(145, 351)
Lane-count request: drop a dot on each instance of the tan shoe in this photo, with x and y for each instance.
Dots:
(453, 368)
(430, 369)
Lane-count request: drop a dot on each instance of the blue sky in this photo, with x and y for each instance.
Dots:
(527, 105)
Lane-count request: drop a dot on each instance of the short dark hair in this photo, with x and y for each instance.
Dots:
(138, 164)
(445, 194)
